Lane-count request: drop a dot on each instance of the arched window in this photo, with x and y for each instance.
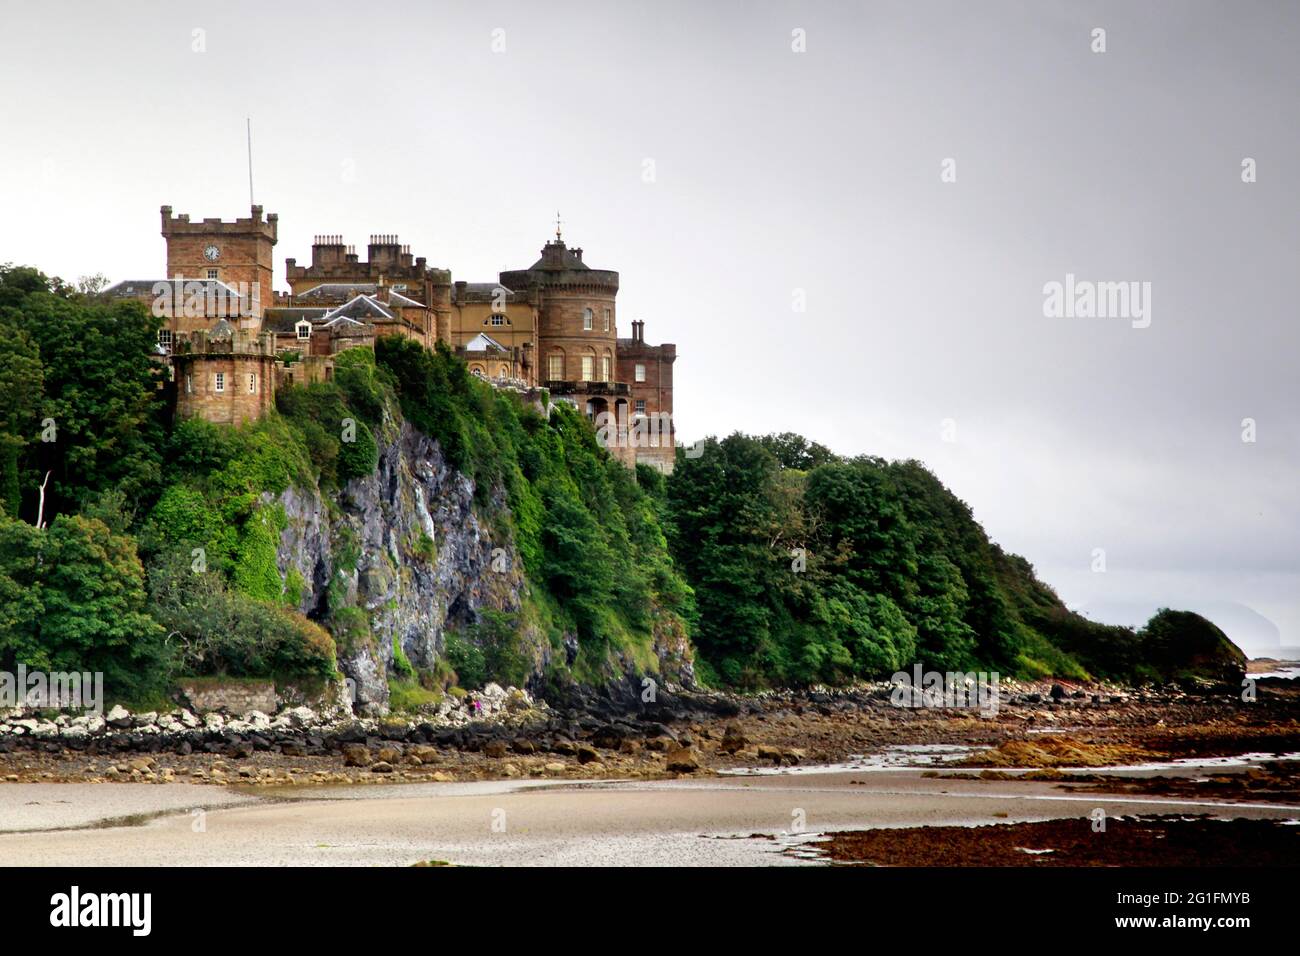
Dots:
(477, 370)
(586, 320)
(555, 366)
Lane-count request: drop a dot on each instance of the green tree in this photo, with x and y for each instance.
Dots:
(99, 391)
(22, 380)
(75, 601)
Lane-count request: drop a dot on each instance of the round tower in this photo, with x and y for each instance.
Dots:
(225, 375)
(577, 333)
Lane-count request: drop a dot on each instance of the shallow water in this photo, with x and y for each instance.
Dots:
(896, 757)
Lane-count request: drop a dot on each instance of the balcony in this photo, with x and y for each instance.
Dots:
(610, 389)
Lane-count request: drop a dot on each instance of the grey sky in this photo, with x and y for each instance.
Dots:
(777, 171)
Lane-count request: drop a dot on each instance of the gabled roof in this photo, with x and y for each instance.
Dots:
(134, 288)
(362, 307)
(484, 343)
(396, 298)
(340, 320)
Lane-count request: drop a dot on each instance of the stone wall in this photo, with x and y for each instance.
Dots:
(233, 697)
(244, 250)
(243, 397)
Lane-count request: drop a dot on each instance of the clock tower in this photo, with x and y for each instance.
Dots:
(238, 254)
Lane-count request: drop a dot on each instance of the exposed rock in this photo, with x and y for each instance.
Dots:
(733, 740)
(357, 755)
(682, 760)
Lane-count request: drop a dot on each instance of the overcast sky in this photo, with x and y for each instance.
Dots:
(726, 176)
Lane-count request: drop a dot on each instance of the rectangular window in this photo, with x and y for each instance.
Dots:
(555, 367)
(640, 373)
(165, 338)
(608, 313)
(588, 369)
(586, 320)
(189, 384)
(252, 383)
(640, 407)
(221, 382)
(304, 331)
(604, 368)
(212, 273)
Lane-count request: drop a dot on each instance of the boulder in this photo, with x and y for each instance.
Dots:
(357, 755)
(682, 760)
(733, 739)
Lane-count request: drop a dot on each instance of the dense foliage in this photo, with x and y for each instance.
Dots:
(157, 555)
(153, 554)
(808, 567)
(591, 540)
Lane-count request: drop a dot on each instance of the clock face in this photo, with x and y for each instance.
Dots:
(212, 253)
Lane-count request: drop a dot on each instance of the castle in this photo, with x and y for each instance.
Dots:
(231, 342)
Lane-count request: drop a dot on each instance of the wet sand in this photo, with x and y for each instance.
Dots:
(754, 820)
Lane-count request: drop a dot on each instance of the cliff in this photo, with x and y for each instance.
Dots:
(398, 560)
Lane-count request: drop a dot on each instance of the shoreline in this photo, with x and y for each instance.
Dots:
(779, 780)
(759, 821)
(685, 736)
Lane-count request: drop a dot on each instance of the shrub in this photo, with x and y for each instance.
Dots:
(220, 631)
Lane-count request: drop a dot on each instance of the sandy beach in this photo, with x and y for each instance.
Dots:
(768, 819)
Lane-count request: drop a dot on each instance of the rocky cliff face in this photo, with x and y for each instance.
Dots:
(407, 546)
